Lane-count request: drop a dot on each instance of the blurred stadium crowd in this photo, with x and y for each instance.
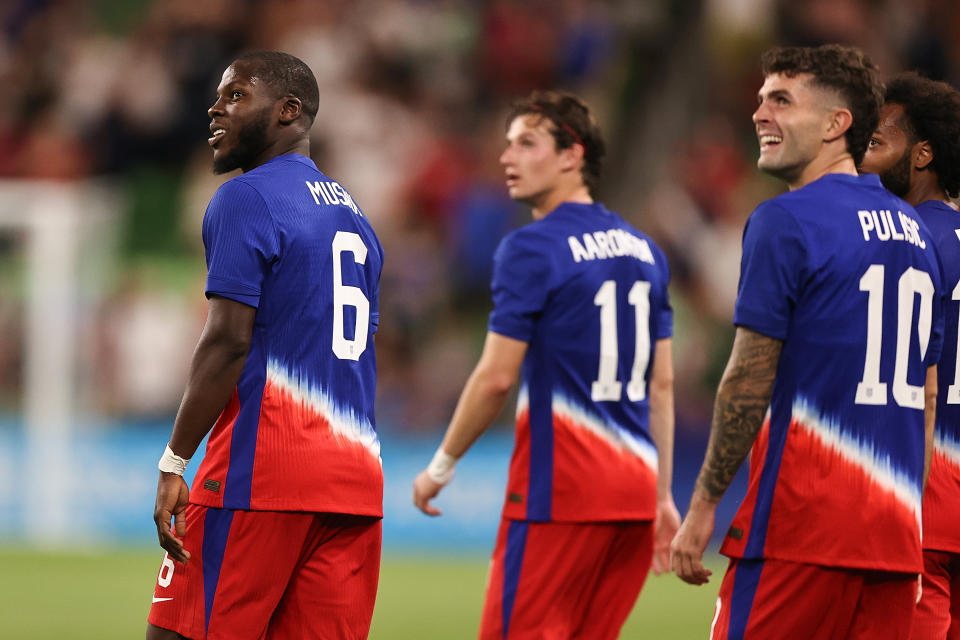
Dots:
(413, 96)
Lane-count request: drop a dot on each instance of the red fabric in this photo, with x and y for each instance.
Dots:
(938, 612)
(284, 575)
(941, 505)
(796, 601)
(576, 580)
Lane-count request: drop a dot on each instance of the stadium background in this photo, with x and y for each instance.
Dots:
(105, 172)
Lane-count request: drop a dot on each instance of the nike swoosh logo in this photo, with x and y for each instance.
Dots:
(156, 599)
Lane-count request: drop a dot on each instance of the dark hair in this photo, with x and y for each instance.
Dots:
(932, 112)
(573, 123)
(289, 76)
(845, 70)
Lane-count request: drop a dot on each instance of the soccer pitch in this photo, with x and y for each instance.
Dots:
(106, 595)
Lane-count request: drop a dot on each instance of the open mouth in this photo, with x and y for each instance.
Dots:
(769, 140)
(215, 138)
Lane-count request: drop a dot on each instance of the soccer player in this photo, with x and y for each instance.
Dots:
(916, 152)
(280, 535)
(581, 309)
(839, 326)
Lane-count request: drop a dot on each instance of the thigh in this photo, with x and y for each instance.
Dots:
(775, 599)
(625, 568)
(334, 586)
(954, 631)
(886, 606)
(541, 578)
(931, 618)
(241, 562)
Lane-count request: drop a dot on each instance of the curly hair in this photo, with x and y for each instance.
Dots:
(573, 123)
(932, 111)
(845, 70)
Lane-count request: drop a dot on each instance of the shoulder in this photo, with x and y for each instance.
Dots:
(239, 191)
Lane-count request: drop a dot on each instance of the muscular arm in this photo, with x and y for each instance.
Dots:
(661, 430)
(216, 366)
(742, 400)
(929, 420)
(480, 403)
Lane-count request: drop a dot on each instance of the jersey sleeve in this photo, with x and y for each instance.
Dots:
(521, 275)
(771, 271)
(665, 312)
(240, 242)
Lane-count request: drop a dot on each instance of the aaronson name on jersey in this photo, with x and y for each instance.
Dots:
(611, 243)
(882, 224)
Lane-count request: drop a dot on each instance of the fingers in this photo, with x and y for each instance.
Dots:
(170, 543)
(661, 561)
(424, 490)
(689, 568)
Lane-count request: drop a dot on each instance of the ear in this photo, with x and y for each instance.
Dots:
(837, 124)
(290, 110)
(571, 158)
(922, 154)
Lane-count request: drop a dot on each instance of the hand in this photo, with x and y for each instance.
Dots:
(686, 550)
(172, 498)
(426, 489)
(664, 529)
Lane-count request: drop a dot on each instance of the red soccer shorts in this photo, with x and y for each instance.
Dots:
(270, 574)
(565, 580)
(763, 599)
(938, 612)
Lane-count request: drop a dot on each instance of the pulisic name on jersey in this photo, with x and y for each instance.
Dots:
(881, 224)
(611, 243)
(331, 193)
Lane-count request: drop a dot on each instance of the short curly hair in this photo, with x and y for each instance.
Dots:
(288, 75)
(932, 113)
(845, 70)
(573, 123)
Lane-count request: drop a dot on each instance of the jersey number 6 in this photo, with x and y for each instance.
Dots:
(606, 386)
(345, 295)
(912, 282)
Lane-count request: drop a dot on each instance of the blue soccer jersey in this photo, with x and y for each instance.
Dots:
(941, 500)
(848, 277)
(588, 293)
(299, 432)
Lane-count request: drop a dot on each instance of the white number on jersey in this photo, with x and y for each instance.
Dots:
(345, 295)
(953, 391)
(606, 386)
(166, 571)
(912, 282)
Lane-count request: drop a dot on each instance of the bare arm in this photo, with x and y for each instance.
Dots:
(661, 430)
(929, 420)
(216, 366)
(480, 403)
(742, 400)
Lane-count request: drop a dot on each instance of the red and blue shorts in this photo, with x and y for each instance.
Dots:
(271, 574)
(762, 599)
(938, 612)
(565, 580)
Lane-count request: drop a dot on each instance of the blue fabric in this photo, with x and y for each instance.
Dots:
(216, 530)
(512, 564)
(746, 578)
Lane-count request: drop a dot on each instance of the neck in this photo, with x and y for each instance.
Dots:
(925, 186)
(821, 166)
(299, 145)
(553, 199)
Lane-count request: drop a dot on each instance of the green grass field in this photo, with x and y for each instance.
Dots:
(107, 595)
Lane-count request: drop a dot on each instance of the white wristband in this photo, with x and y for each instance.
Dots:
(172, 463)
(440, 468)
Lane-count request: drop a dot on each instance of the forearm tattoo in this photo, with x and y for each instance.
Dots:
(742, 401)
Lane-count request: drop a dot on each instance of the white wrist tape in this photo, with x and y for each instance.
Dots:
(172, 463)
(440, 468)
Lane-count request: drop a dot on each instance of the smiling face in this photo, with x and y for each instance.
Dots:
(533, 165)
(790, 121)
(245, 109)
(888, 153)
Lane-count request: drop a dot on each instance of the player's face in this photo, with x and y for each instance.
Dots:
(241, 119)
(531, 162)
(888, 153)
(790, 122)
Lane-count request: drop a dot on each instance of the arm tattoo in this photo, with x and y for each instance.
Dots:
(742, 401)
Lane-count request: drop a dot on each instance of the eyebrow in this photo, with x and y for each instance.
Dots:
(776, 93)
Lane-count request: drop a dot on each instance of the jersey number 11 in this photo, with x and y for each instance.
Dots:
(606, 386)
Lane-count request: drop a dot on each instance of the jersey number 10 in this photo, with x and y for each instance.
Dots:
(606, 386)
(912, 282)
